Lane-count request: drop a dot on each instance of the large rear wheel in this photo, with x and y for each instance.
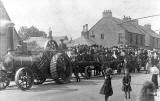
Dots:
(60, 68)
(24, 78)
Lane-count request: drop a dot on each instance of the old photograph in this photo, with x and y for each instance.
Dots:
(79, 50)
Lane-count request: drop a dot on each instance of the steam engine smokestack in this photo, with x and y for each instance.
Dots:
(10, 36)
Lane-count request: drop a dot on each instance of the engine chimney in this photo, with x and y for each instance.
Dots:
(10, 36)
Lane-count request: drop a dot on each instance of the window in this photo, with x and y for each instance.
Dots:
(92, 34)
(102, 36)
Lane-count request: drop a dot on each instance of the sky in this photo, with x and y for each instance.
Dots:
(66, 17)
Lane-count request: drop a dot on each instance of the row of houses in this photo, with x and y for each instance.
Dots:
(111, 31)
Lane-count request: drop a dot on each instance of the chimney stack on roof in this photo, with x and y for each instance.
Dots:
(129, 19)
(85, 31)
(107, 13)
(148, 26)
(83, 28)
(126, 18)
(86, 27)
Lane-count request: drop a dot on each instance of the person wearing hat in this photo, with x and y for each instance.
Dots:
(62, 45)
(106, 88)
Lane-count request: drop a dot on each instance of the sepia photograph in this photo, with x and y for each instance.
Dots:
(79, 50)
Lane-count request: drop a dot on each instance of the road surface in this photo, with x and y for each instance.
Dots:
(86, 90)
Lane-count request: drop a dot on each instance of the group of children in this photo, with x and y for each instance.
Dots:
(148, 91)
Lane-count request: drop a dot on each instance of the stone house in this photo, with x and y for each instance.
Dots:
(110, 31)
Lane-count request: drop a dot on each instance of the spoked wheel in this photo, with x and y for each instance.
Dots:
(60, 68)
(24, 78)
(4, 80)
(51, 45)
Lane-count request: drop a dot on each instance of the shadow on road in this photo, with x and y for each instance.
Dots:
(51, 86)
(61, 87)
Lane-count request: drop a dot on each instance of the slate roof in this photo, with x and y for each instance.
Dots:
(119, 23)
(3, 13)
(150, 32)
(129, 26)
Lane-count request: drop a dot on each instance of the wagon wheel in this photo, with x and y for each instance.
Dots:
(4, 80)
(60, 68)
(24, 78)
(51, 45)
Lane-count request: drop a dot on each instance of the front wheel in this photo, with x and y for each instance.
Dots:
(24, 78)
(4, 80)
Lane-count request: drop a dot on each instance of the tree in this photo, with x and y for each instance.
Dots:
(25, 32)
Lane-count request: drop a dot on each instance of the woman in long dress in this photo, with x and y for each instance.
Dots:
(106, 89)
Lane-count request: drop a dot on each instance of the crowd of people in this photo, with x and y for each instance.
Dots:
(128, 59)
(115, 57)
